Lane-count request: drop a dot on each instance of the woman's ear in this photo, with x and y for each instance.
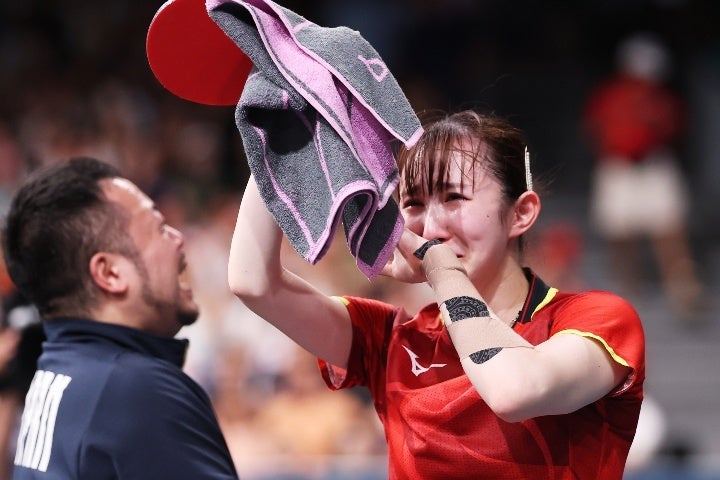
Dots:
(526, 211)
(109, 272)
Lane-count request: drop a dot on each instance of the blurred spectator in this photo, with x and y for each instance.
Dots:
(21, 337)
(300, 427)
(639, 190)
(12, 166)
(11, 170)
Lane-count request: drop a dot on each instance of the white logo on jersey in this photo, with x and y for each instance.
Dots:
(417, 369)
(38, 419)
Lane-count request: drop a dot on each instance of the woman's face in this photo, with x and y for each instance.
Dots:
(469, 214)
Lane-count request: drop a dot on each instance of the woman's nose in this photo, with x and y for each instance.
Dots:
(434, 225)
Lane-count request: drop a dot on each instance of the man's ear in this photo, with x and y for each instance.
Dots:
(527, 210)
(109, 272)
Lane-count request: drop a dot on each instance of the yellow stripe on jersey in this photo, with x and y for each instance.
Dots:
(548, 297)
(343, 300)
(610, 350)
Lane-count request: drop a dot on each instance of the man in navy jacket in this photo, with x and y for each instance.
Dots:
(109, 399)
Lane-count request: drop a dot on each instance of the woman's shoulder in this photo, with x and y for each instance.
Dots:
(594, 297)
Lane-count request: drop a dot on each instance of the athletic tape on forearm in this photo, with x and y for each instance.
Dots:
(474, 331)
(481, 337)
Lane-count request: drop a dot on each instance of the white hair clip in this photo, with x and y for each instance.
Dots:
(528, 174)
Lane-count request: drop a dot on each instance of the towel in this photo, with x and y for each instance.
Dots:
(319, 116)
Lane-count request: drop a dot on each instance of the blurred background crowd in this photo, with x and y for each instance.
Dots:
(74, 80)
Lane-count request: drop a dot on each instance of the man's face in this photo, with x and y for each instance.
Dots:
(165, 298)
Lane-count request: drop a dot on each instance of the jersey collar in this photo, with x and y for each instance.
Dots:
(539, 295)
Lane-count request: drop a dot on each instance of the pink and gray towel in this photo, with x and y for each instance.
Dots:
(318, 117)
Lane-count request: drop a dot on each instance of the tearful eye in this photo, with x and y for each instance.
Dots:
(455, 196)
(411, 202)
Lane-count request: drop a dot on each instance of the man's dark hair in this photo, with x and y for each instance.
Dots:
(57, 221)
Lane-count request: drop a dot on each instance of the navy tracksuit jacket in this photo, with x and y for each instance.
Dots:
(112, 402)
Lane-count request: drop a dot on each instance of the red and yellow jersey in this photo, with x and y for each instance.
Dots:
(438, 427)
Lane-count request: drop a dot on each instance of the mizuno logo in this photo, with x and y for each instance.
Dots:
(417, 369)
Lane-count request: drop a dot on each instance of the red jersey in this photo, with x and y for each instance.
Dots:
(438, 427)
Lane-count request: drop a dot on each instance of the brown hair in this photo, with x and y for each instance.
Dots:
(497, 146)
(488, 141)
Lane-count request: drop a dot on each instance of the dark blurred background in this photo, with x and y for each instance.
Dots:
(74, 80)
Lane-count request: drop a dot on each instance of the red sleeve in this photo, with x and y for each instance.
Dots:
(372, 322)
(611, 321)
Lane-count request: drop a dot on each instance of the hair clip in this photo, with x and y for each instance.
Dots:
(528, 174)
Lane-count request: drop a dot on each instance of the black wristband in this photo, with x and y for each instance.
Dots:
(420, 252)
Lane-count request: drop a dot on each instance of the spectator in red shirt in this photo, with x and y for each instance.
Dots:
(639, 191)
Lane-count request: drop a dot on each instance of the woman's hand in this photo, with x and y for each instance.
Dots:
(404, 266)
